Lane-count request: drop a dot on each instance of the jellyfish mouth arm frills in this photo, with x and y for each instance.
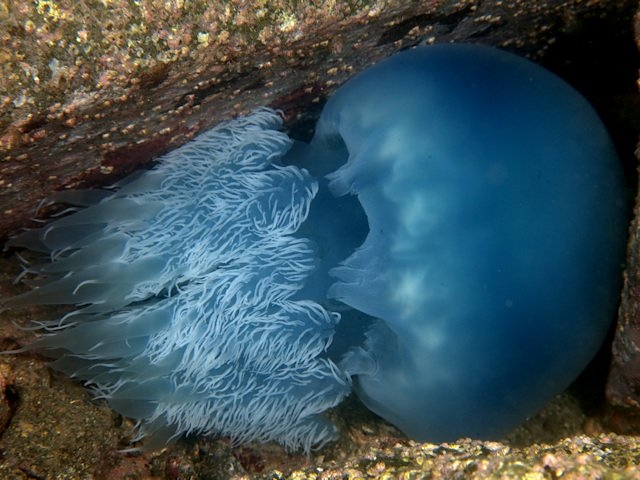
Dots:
(184, 278)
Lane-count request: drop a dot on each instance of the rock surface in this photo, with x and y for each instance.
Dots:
(623, 386)
(90, 91)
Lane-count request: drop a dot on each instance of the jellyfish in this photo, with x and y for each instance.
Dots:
(448, 247)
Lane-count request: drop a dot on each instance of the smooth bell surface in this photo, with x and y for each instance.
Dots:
(496, 211)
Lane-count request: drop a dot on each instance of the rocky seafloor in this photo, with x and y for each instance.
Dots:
(90, 91)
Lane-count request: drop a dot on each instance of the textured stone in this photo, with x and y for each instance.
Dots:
(90, 91)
